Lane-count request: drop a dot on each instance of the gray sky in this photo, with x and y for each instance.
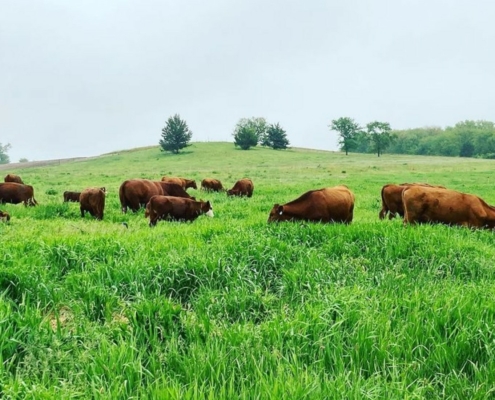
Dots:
(81, 78)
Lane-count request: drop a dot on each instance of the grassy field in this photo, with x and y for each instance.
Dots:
(234, 308)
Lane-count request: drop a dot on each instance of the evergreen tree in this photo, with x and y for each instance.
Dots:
(175, 135)
(276, 138)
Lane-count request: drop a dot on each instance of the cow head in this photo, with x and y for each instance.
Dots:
(207, 209)
(232, 192)
(147, 210)
(191, 184)
(5, 216)
(277, 214)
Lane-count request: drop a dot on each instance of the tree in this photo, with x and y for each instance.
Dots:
(275, 137)
(4, 157)
(380, 135)
(175, 135)
(245, 137)
(348, 131)
(23, 160)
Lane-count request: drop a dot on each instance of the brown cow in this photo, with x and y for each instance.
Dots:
(243, 187)
(74, 196)
(392, 199)
(212, 185)
(136, 193)
(16, 193)
(178, 208)
(444, 206)
(185, 183)
(71, 196)
(13, 178)
(335, 204)
(5, 216)
(93, 201)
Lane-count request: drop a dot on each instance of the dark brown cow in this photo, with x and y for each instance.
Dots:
(136, 193)
(392, 199)
(177, 208)
(335, 204)
(16, 193)
(212, 185)
(444, 206)
(71, 196)
(93, 201)
(74, 196)
(5, 216)
(243, 187)
(185, 183)
(13, 178)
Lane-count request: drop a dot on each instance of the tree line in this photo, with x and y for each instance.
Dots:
(464, 139)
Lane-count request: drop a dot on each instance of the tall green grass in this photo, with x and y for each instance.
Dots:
(234, 308)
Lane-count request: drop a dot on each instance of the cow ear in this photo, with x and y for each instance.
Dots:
(280, 210)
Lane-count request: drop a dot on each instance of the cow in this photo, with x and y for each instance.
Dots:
(185, 183)
(16, 193)
(13, 178)
(74, 196)
(136, 193)
(212, 185)
(392, 199)
(5, 216)
(327, 205)
(177, 208)
(92, 200)
(243, 187)
(71, 196)
(444, 206)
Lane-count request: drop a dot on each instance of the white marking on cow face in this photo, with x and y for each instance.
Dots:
(210, 213)
(280, 212)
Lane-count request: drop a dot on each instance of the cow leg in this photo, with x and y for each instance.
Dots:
(82, 212)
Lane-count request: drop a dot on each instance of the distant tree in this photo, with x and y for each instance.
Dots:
(348, 133)
(4, 157)
(23, 160)
(380, 136)
(175, 135)
(245, 137)
(276, 138)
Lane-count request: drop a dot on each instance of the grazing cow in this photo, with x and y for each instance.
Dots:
(71, 196)
(74, 196)
(212, 185)
(136, 193)
(93, 201)
(392, 199)
(5, 216)
(444, 206)
(243, 187)
(178, 208)
(335, 204)
(16, 193)
(13, 178)
(185, 183)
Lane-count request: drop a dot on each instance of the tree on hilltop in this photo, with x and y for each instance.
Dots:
(175, 135)
(276, 137)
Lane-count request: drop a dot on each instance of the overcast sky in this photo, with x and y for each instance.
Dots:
(82, 78)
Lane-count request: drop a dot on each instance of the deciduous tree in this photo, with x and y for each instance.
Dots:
(380, 135)
(348, 131)
(4, 157)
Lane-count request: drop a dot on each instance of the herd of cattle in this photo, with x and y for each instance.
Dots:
(168, 199)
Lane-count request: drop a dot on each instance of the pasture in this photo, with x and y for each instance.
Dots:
(234, 308)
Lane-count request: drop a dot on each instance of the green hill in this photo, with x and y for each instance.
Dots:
(232, 307)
